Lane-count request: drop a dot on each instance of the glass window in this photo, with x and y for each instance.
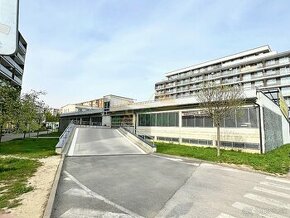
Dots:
(208, 122)
(253, 117)
(242, 118)
(285, 80)
(198, 121)
(259, 83)
(230, 120)
(271, 81)
(246, 77)
(257, 74)
(153, 120)
(247, 85)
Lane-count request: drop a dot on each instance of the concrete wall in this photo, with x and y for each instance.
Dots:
(275, 131)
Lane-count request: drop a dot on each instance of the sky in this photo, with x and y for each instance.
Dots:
(80, 50)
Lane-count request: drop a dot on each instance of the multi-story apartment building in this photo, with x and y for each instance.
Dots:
(12, 67)
(259, 68)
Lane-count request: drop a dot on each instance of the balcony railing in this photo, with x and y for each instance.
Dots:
(5, 71)
(13, 63)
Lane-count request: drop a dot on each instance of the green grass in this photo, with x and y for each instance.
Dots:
(276, 161)
(14, 174)
(30, 147)
(52, 134)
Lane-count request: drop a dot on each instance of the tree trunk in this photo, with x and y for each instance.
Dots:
(218, 140)
(24, 134)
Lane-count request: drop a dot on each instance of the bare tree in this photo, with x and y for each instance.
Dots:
(219, 101)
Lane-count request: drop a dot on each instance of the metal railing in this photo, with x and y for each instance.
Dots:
(149, 140)
(63, 139)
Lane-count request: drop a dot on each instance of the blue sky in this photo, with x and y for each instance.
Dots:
(83, 49)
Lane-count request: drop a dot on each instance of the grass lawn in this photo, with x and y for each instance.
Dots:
(52, 134)
(15, 171)
(276, 161)
(30, 147)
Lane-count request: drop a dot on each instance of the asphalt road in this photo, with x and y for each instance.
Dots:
(132, 184)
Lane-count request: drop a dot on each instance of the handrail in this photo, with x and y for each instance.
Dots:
(139, 134)
(65, 135)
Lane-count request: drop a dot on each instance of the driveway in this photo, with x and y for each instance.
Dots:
(125, 182)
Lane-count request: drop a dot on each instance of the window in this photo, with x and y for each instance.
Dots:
(242, 145)
(247, 85)
(285, 91)
(257, 74)
(284, 70)
(270, 62)
(246, 77)
(270, 72)
(271, 81)
(283, 60)
(159, 119)
(197, 141)
(285, 80)
(259, 83)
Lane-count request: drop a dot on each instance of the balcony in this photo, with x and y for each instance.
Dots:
(13, 64)
(18, 80)
(5, 71)
(22, 48)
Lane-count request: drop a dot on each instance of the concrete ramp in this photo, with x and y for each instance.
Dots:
(101, 141)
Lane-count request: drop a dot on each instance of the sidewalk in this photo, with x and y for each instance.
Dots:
(11, 136)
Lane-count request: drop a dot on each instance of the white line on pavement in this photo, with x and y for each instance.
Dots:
(267, 200)
(224, 215)
(275, 185)
(268, 191)
(256, 210)
(278, 180)
(97, 196)
(73, 144)
(88, 213)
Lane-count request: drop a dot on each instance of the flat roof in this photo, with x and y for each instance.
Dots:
(225, 58)
(249, 94)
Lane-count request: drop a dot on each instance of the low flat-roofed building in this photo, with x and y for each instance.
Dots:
(259, 126)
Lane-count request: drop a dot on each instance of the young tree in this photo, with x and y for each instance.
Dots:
(30, 112)
(219, 101)
(9, 104)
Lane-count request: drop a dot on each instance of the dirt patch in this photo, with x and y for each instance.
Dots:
(33, 203)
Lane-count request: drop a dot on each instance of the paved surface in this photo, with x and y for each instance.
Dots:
(101, 141)
(11, 136)
(140, 185)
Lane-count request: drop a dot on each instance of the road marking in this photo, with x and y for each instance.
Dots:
(77, 193)
(173, 159)
(268, 191)
(267, 200)
(275, 185)
(278, 180)
(255, 210)
(88, 213)
(67, 179)
(131, 142)
(99, 197)
(73, 144)
(224, 215)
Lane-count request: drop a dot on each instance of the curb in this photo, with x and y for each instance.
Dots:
(233, 166)
(49, 205)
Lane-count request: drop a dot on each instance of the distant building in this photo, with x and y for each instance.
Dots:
(100, 103)
(258, 68)
(54, 111)
(12, 67)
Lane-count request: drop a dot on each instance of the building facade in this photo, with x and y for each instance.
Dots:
(12, 67)
(259, 68)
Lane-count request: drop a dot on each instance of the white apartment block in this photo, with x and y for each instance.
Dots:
(258, 68)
